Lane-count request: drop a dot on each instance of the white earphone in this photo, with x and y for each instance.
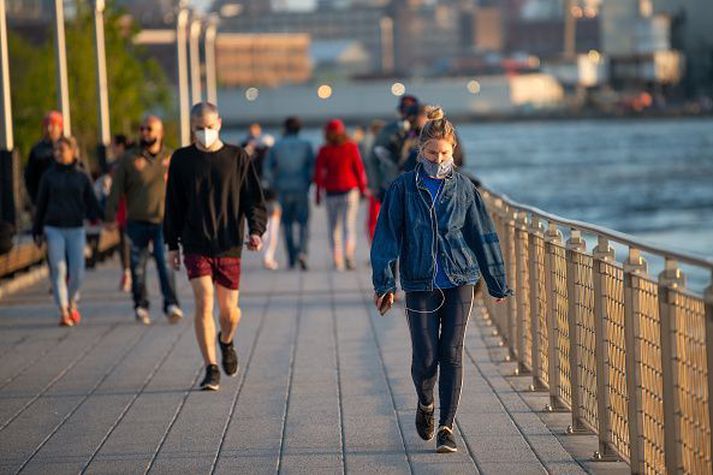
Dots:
(434, 228)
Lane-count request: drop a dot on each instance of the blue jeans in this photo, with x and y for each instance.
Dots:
(295, 209)
(65, 251)
(140, 234)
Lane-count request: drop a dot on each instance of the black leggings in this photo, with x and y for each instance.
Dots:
(437, 340)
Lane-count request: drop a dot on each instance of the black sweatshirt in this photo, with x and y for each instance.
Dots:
(208, 196)
(65, 198)
(41, 160)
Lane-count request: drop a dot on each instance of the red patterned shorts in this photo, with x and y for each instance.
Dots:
(225, 271)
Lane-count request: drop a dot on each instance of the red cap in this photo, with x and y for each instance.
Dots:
(336, 126)
(53, 118)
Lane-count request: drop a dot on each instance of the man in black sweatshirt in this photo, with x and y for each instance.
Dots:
(212, 189)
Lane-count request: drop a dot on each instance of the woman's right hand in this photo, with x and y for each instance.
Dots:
(384, 302)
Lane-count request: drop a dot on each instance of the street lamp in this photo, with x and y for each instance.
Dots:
(182, 61)
(102, 85)
(211, 87)
(61, 57)
(195, 54)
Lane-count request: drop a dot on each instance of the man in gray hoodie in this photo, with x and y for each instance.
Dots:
(288, 170)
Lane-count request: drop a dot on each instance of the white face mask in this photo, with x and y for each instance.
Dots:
(206, 137)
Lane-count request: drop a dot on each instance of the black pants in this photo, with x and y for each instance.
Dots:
(437, 341)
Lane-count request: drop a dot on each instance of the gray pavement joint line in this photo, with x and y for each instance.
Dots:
(335, 336)
(468, 447)
(59, 376)
(384, 373)
(66, 417)
(293, 358)
(502, 403)
(243, 375)
(135, 397)
(32, 361)
(173, 420)
(14, 344)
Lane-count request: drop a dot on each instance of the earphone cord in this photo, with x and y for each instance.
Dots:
(434, 248)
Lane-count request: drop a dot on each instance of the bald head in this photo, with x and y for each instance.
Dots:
(205, 126)
(151, 133)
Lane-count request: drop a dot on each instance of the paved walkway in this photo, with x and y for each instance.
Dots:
(324, 387)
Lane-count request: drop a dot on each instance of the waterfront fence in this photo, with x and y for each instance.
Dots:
(628, 353)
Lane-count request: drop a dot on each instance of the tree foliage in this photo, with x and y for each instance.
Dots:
(136, 84)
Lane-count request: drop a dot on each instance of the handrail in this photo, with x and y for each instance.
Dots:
(623, 238)
(630, 354)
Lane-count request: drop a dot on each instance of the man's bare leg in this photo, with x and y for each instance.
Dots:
(229, 312)
(204, 320)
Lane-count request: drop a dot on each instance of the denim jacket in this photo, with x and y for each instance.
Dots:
(289, 165)
(466, 237)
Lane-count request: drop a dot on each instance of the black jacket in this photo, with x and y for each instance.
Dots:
(65, 198)
(208, 197)
(41, 159)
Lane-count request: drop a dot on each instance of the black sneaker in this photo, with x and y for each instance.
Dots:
(349, 264)
(230, 357)
(424, 421)
(445, 443)
(303, 262)
(211, 382)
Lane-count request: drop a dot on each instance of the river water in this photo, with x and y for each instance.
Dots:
(649, 178)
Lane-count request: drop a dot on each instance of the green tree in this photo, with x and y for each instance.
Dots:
(136, 84)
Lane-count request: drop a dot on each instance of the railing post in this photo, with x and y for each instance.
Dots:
(511, 303)
(520, 266)
(535, 233)
(708, 299)
(670, 280)
(575, 244)
(553, 237)
(634, 266)
(603, 255)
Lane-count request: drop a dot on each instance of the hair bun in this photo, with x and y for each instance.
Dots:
(434, 113)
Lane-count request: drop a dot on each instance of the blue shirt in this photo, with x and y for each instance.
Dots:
(441, 280)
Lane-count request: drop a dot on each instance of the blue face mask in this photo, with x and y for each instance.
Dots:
(436, 170)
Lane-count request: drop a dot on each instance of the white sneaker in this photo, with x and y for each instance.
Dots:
(142, 315)
(174, 313)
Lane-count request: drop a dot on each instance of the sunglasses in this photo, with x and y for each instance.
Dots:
(145, 128)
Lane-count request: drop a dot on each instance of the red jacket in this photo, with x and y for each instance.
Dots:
(339, 168)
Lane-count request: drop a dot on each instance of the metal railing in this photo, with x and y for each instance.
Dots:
(626, 352)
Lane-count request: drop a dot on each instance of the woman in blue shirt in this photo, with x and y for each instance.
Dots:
(434, 222)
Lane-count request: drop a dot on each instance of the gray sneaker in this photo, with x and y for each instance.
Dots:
(445, 442)
(174, 314)
(142, 315)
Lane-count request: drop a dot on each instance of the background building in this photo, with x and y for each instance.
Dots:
(358, 24)
(262, 60)
(638, 44)
(692, 33)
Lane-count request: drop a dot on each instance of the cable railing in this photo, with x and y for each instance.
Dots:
(628, 353)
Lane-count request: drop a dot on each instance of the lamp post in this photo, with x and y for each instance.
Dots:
(210, 66)
(195, 53)
(61, 58)
(182, 61)
(7, 195)
(102, 85)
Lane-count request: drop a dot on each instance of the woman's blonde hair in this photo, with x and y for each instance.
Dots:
(438, 127)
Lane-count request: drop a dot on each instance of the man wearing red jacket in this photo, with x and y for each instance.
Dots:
(339, 172)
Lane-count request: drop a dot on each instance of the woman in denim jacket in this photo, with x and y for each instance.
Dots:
(433, 221)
